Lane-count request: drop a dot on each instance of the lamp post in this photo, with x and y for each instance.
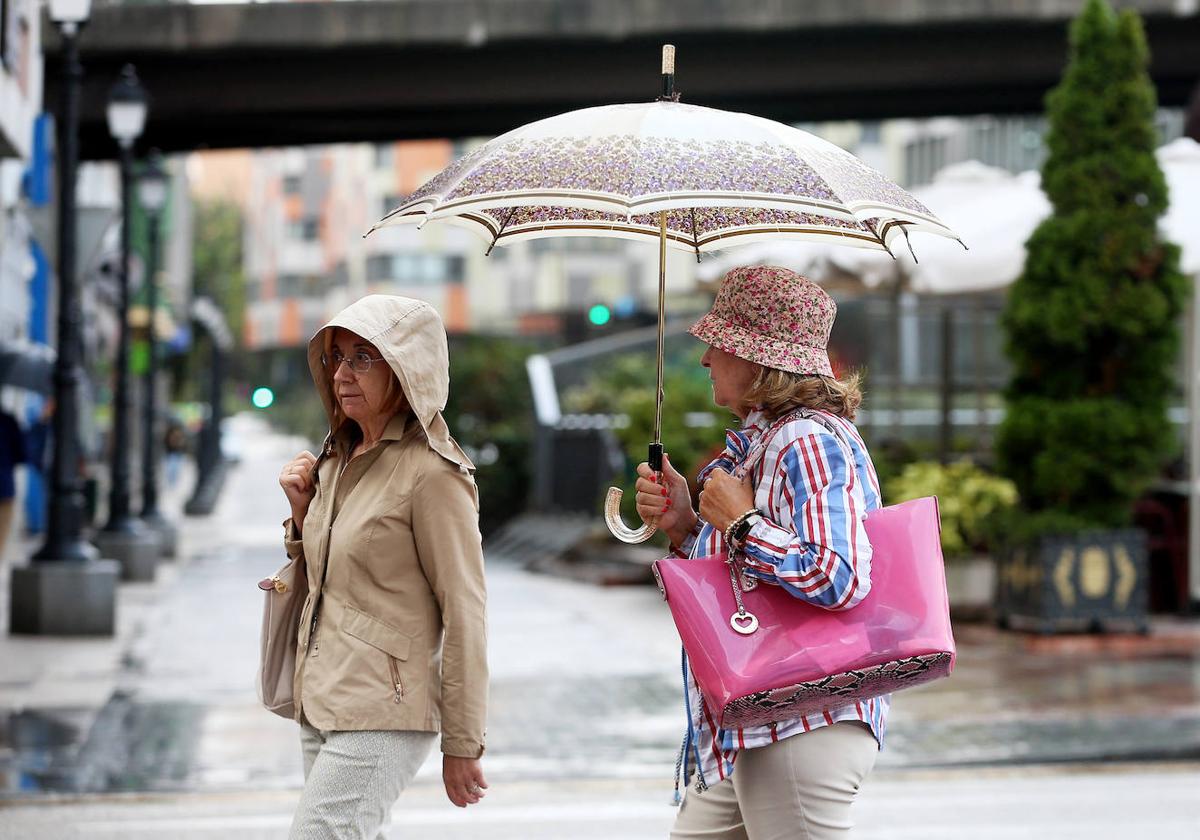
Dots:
(67, 589)
(124, 537)
(153, 186)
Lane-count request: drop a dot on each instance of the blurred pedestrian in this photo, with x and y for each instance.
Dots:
(12, 452)
(392, 641)
(796, 523)
(175, 446)
(37, 464)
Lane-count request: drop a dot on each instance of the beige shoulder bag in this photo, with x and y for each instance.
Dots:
(284, 594)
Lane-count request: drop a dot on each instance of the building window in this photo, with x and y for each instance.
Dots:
(306, 230)
(389, 203)
(415, 269)
(291, 285)
(292, 184)
(384, 155)
(924, 157)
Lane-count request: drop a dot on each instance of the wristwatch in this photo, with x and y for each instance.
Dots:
(741, 528)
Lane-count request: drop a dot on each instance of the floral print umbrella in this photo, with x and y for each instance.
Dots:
(691, 178)
(723, 179)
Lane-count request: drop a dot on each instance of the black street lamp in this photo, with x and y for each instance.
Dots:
(67, 589)
(153, 187)
(124, 537)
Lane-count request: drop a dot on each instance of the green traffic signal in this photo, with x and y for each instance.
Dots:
(599, 315)
(262, 397)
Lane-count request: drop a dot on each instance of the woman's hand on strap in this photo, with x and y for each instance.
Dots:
(296, 479)
(665, 502)
(724, 498)
(463, 778)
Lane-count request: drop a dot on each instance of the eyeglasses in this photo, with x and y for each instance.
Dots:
(360, 361)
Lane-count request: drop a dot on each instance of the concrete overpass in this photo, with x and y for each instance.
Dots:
(315, 72)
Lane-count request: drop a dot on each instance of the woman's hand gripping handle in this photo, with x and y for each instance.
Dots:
(665, 500)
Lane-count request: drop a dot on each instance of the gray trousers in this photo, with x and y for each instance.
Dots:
(352, 779)
(800, 788)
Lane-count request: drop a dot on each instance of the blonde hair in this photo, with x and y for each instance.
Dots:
(779, 391)
(394, 399)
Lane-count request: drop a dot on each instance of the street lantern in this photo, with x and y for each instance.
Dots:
(72, 13)
(126, 110)
(66, 589)
(152, 188)
(125, 537)
(152, 185)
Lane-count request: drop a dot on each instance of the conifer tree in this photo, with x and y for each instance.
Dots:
(1091, 325)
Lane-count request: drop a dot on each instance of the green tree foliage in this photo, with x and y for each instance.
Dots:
(217, 266)
(1092, 323)
(970, 500)
(490, 413)
(625, 387)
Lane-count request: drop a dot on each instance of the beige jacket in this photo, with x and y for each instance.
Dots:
(397, 637)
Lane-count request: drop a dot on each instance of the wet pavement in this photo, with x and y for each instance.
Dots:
(585, 688)
(1034, 803)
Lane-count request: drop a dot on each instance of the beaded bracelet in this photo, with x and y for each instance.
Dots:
(736, 522)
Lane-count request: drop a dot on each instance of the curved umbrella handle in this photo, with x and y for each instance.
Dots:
(612, 518)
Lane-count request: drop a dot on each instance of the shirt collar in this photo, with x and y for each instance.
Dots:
(737, 441)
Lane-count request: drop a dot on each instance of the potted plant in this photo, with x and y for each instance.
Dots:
(1092, 332)
(971, 501)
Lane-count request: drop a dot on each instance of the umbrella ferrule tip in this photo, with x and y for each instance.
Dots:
(668, 59)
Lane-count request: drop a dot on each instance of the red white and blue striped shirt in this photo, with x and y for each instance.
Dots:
(811, 541)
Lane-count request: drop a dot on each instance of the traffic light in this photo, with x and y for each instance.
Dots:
(599, 315)
(262, 397)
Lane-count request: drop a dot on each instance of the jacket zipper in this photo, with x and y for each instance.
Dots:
(398, 686)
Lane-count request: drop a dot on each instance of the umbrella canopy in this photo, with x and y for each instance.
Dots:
(723, 179)
(28, 365)
(996, 212)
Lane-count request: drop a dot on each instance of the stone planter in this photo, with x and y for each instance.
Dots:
(1093, 580)
(971, 585)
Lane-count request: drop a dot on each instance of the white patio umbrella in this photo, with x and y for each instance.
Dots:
(992, 210)
(1180, 161)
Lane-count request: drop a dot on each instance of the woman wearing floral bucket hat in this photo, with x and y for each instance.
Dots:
(794, 523)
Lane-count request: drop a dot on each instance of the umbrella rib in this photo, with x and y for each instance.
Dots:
(907, 241)
(871, 227)
(695, 236)
(503, 225)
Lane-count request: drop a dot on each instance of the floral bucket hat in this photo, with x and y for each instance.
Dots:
(773, 317)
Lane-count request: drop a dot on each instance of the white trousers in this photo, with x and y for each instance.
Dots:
(800, 788)
(352, 779)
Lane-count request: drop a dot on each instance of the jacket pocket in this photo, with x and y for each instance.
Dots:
(384, 637)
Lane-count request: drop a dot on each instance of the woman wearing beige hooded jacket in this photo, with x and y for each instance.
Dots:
(392, 640)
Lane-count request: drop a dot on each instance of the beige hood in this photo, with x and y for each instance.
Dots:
(410, 336)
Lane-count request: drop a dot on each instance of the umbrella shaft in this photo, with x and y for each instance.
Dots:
(662, 313)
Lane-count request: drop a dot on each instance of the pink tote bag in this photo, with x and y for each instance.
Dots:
(801, 659)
